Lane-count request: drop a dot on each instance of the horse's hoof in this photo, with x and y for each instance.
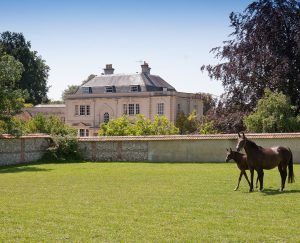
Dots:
(261, 190)
(235, 189)
(251, 190)
(280, 190)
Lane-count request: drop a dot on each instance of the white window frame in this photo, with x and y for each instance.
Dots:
(109, 89)
(134, 88)
(83, 132)
(131, 109)
(160, 109)
(82, 110)
(137, 109)
(88, 110)
(86, 90)
(106, 117)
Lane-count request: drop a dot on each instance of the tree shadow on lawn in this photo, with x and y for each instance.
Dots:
(21, 168)
(30, 167)
(273, 192)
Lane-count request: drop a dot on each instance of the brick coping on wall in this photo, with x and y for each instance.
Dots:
(189, 137)
(37, 135)
(166, 137)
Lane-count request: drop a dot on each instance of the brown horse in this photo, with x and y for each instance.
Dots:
(241, 162)
(259, 158)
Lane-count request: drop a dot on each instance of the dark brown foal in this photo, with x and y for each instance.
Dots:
(241, 162)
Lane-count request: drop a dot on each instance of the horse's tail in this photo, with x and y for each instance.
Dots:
(291, 176)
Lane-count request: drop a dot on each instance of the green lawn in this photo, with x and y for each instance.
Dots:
(138, 202)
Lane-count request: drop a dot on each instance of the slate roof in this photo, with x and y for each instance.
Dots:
(122, 83)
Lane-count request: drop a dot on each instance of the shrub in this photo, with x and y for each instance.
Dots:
(207, 128)
(187, 123)
(51, 125)
(137, 126)
(62, 148)
(274, 113)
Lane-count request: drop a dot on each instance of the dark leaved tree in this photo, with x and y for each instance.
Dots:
(264, 52)
(35, 75)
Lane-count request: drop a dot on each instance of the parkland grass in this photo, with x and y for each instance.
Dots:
(142, 202)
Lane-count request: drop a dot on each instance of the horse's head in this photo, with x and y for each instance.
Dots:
(229, 155)
(241, 142)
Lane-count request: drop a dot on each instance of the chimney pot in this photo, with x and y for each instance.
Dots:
(108, 69)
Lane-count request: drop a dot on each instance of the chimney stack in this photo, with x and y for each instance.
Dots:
(108, 69)
(145, 68)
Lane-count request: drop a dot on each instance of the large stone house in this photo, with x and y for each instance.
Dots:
(110, 95)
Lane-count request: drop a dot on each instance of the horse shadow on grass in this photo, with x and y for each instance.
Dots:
(273, 192)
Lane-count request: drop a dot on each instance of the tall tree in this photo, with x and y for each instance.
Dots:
(264, 52)
(35, 75)
(11, 99)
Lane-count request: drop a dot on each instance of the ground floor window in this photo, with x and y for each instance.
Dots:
(84, 132)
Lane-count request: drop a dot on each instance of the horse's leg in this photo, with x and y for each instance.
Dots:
(239, 180)
(245, 174)
(256, 185)
(260, 175)
(283, 178)
(251, 178)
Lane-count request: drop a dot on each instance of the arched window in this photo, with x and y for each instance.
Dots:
(106, 117)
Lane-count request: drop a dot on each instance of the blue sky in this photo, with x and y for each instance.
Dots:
(77, 38)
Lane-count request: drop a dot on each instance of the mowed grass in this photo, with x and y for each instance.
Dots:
(142, 202)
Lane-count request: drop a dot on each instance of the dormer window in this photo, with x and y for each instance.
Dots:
(110, 89)
(135, 88)
(87, 90)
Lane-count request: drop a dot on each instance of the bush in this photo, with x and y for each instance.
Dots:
(187, 123)
(51, 125)
(207, 127)
(63, 144)
(274, 113)
(62, 148)
(138, 126)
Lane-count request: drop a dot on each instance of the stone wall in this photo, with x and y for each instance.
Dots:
(195, 148)
(22, 150)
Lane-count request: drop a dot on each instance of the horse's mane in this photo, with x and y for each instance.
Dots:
(238, 153)
(253, 144)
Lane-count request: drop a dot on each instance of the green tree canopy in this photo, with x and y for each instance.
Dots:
(274, 113)
(11, 99)
(50, 125)
(35, 75)
(138, 126)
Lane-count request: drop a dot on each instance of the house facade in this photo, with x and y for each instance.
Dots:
(110, 95)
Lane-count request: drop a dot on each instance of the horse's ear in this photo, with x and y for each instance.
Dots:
(244, 135)
(239, 134)
(227, 150)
